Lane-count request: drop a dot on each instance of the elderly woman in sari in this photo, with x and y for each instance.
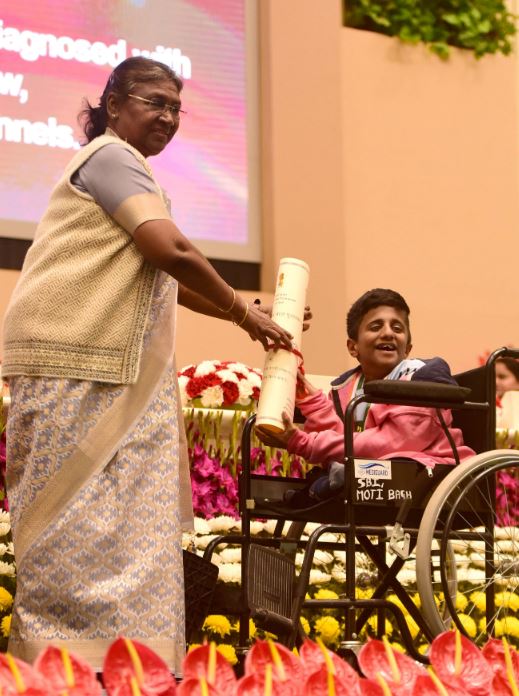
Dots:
(97, 483)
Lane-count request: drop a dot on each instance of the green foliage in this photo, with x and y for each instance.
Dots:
(482, 26)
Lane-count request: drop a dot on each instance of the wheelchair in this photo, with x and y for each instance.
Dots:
(398, 512)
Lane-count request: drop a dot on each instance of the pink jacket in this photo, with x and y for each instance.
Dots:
(389, 432)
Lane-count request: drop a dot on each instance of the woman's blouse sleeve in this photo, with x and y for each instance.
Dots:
(118, 182)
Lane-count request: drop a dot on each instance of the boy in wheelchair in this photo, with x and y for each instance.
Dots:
(379, 338)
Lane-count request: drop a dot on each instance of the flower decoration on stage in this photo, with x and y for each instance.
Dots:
(458, 668)
(229, 392)
(219, 384)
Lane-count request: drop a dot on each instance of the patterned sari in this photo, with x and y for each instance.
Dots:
(96, 495)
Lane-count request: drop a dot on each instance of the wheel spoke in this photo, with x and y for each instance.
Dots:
(462, 516)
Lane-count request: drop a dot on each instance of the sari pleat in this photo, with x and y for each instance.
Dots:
(105, 560)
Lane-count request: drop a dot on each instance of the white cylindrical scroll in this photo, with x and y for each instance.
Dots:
(278, 387)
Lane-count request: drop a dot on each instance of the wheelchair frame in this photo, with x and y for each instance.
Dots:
(269, 590)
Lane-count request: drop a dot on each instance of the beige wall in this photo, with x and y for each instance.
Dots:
(420, 154)
(427, 180)
(302, 129)
(381, 166)
(431, 190)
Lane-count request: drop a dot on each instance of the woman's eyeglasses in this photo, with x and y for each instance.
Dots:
(160, 106)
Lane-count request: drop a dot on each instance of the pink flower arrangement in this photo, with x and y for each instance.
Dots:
(214, 480)
(214, 488)
(215, 459)
(507, 499)
(219, 384)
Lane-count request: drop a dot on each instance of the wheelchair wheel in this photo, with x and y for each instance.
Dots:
(435, 581)
(475, 513)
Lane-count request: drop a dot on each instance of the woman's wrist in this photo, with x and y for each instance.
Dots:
(233, 302)
(240, 312)
(237, 310)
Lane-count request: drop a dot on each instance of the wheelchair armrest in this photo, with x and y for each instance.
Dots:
(419, 391)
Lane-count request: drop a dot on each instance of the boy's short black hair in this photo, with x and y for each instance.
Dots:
(370, 300)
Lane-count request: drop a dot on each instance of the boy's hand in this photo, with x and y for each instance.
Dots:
(303, 387)
(307, 317)
(277, 439)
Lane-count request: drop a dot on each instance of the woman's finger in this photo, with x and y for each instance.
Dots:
(286, 338)
(264, 329)
(264, 342)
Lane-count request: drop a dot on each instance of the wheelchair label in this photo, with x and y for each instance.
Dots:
(373, 468)
(375, 483)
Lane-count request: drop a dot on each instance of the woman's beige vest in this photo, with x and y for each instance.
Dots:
(82, 302)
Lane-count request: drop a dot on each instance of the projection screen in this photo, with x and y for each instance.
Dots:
(54, 53)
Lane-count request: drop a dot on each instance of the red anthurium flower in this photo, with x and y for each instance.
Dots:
(326, 683)
(285, 665)
(504, 662)
(430, 685)
(17, 677)
(377, 658)
(425, 686)
(460, 664)
(263, 685)
(67, 673)
(494, 651)
(205, 661)
(197, 687)
(132, 669)
(501, 686)
(286, 668)
(313, 657)
(368, 687)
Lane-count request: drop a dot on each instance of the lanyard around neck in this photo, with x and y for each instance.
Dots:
(361, 411)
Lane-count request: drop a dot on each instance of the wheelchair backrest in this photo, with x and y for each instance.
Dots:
(478, 427)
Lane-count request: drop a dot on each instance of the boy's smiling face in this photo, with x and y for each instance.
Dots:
(382, 341)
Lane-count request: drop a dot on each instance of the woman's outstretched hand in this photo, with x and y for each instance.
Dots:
(267, 309)
(260, 327)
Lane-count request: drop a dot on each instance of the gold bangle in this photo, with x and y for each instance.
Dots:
(244, 316)
(227, 311)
